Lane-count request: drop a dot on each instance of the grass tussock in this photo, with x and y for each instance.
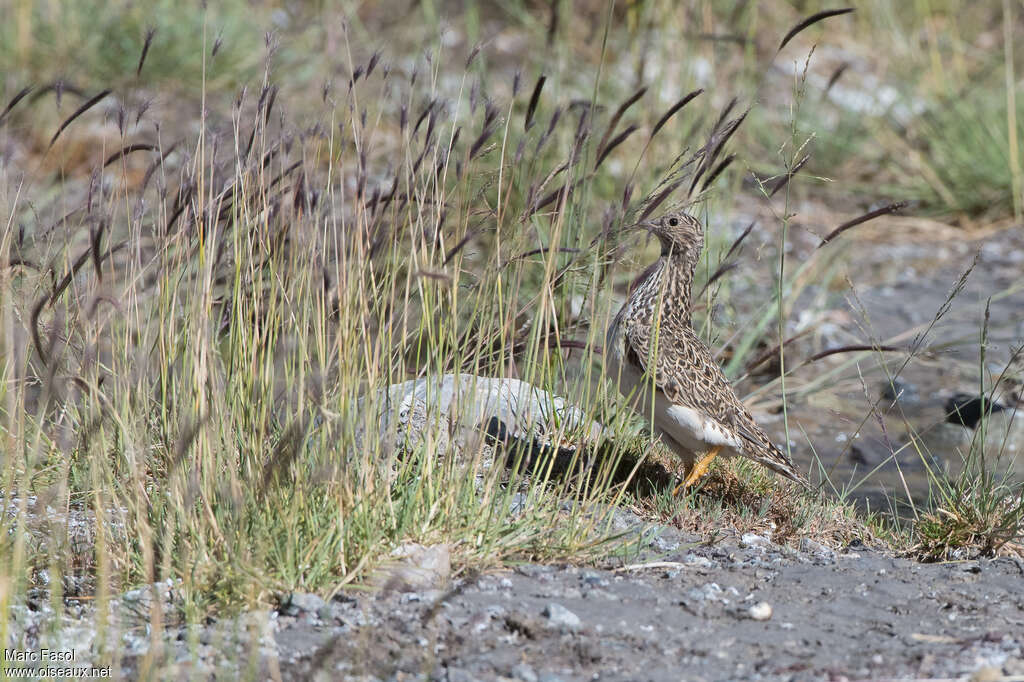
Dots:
(737, 498)
(976, 517)
(980, 510)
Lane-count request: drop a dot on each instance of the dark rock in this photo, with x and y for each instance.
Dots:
(966, 409)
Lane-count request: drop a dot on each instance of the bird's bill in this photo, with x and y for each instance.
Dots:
(648, 225)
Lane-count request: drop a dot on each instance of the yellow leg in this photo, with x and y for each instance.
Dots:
(698, 469)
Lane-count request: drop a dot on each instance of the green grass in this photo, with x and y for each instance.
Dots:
(93, 45)
(195, 360)
(979, 509)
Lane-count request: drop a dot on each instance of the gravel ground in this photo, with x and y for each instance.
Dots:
(745, 609)
(741, 608)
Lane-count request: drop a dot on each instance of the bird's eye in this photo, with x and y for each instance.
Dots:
(674, 222)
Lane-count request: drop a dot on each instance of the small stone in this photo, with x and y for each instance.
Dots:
(460, 675)
(754, 540)
(698, 562)
(664, 544)
(560, 616)
(762, 610)
(517, 505)
(709, 592)
(335, 611)
(1014, 666)
(818, 550)
(986, 674)
(598, 593)
(415, 568)
(524, 673)
(304, 601)
(423, 411)
(900, 391)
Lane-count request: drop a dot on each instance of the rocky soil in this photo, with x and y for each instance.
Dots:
(904, 273)
(744, 608)
(740, 608)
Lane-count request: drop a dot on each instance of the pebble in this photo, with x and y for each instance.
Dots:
(818, 551)
(524, 672)
(762, 610)
(1014, 666)
(708, 592)
(560, 616)
(900, 391)
(549, 677)
(460, 675)
(415, 568)
(304, 601)
(986, 674)
(755, 540)
(598, 593)
(664, 544)
(517, 505)
(699, 562)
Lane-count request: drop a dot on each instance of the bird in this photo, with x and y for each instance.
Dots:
(651, 344)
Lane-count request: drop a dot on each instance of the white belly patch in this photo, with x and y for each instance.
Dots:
(684, 425)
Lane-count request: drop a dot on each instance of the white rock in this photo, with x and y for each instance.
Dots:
(560, 616)
(698, 561)
(469, 406)
(415, 568)
(762, 610)
(755, 540)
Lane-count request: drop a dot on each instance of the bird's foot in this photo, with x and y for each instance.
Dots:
(698, 469)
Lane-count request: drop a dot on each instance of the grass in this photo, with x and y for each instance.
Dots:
(196, 332)
(933, 119)
(96, 44)
(979, 510)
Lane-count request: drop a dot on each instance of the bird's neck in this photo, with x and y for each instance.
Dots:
(672, 281)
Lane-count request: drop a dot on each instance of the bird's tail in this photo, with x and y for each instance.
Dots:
(781, 464)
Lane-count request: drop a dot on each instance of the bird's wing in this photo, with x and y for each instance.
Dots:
(686, 372)
(683, 370)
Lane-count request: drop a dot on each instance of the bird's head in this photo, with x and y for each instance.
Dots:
(678, 232)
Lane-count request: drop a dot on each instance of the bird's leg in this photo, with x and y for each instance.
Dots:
(698, 469)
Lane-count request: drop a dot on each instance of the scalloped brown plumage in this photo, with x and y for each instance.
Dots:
(651, 344)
